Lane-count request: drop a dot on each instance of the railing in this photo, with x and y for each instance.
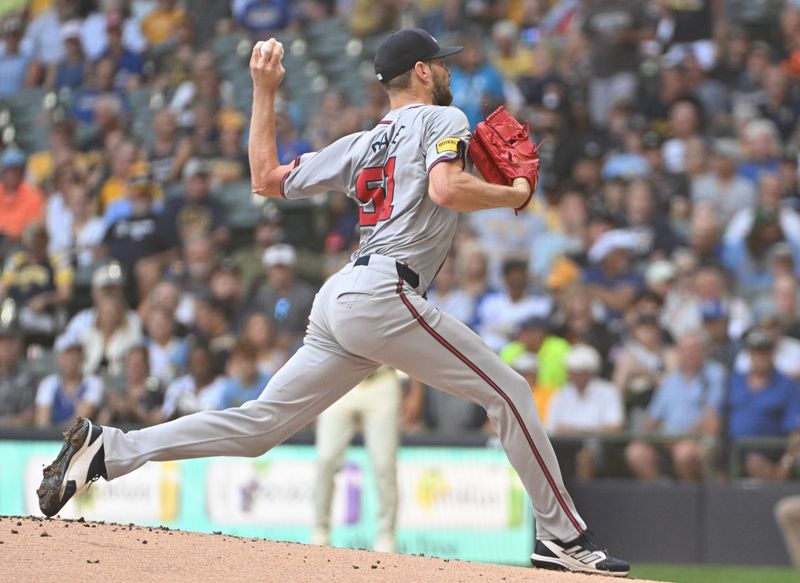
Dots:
(717, 462)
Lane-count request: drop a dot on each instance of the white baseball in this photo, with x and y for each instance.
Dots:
(266, 47)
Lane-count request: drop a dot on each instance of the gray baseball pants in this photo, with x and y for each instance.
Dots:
(364, 316)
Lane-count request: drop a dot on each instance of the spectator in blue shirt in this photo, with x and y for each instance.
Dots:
(764, 403)
(262, 17)
(14, 65)
(128, 65)
(684, 405)
(475, 85)
(245, 382)
(749, 259)
(610, 278)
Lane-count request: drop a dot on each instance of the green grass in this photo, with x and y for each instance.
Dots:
(715, 574)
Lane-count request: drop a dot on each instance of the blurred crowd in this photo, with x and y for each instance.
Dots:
(651, 290)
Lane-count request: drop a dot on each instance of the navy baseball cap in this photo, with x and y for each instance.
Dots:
(401, 50)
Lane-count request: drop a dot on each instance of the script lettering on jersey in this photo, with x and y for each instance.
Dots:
(384, 141)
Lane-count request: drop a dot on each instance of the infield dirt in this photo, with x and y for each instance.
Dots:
(44, 550)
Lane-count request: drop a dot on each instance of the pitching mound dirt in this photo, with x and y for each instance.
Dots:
(41, 550)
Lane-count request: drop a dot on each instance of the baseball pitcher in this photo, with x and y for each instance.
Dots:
(407, 175)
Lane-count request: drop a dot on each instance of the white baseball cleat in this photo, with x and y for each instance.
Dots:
(581, 555)
(79, 463)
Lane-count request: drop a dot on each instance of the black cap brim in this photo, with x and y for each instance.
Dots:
(446, 52)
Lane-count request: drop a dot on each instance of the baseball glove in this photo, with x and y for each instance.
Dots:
(501, 149)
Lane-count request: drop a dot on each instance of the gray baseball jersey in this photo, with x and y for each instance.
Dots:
(385, 170)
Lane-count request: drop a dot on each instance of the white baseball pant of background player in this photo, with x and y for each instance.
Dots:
(373, 405)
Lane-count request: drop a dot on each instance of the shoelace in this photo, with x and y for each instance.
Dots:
(587, 542)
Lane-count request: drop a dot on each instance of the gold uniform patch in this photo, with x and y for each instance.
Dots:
(447, 145)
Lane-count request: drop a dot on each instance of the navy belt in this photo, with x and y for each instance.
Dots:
(404, 271)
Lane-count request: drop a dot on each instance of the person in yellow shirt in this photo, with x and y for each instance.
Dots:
(512, 59)
(160, 24)
(116, 186)
(42, 165)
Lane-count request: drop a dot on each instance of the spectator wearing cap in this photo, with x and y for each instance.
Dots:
(70, 392)
(721, 186)
(17, 381)
(41, 285)
(762, 144)
(229, 162)
(613, 29)
(106, 279)
(168, 152)
(763, 403)
(17, 68)
(475, 84)
(134, 238)
(640, 365)
(70, 69)
(749, 259)
(501, 312)
(770, 197)
(201, 389)
(533, 335)
(511, 57)
(684, 407)
(20, 203)
(283, 296)
(244, 381)
(139, 180)
(167, 353)
(786, 349)
(659, 277)
(587, 405)
(610, 278)
(196, 213)
(110, 337)
(134, 398)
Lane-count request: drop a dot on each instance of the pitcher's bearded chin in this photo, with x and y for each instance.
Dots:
(441, 91)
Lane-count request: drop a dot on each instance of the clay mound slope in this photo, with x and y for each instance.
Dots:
(37, 550)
